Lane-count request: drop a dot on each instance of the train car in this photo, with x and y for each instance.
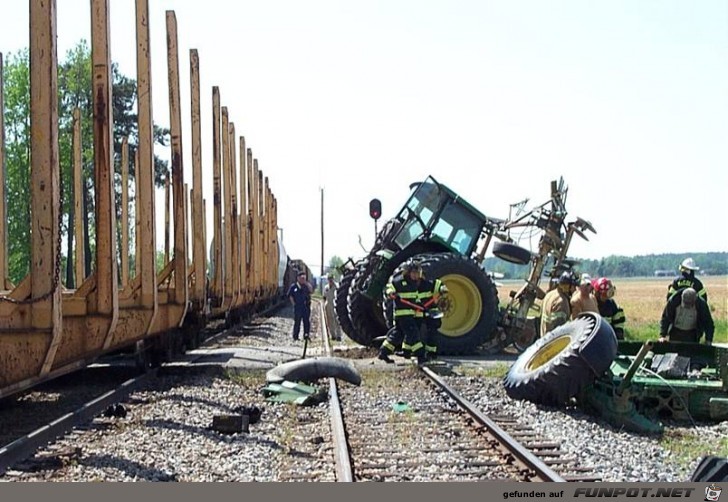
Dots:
(47, 330)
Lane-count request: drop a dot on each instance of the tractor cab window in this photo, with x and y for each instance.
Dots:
(419, 211)
(458, 228)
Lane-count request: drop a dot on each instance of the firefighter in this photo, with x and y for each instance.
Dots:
(686, 318)
(404, 290)
(687, 279)
(604, 290)
(556, 307)
(430, 296)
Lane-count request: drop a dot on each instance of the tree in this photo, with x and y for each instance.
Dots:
(74, 89)
(16, 78)
(334, 263)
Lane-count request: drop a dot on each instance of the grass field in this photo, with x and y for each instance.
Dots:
(644, 298)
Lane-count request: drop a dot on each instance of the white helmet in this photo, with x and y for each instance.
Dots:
(689, 264)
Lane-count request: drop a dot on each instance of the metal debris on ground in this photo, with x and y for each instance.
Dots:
(294, 392)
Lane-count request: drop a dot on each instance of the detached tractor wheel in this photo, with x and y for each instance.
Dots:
(511, 253)
(562, 363)
(470, 306)
(340, 303)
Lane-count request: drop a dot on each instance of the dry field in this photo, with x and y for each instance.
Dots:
(643, 299)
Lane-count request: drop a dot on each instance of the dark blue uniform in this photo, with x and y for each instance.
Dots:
(301, 296)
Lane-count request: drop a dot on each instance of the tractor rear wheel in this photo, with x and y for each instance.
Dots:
(340, 303)
(562, 363)
(470, 307)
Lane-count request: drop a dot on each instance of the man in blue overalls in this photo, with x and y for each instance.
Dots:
(300, 296)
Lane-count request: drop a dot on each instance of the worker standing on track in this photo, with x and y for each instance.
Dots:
(300, 296)
(404, 289)
(430, 296)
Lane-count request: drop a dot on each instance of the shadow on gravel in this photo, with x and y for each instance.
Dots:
(132, 469)
(205, 431)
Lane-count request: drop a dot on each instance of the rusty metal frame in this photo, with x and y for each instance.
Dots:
(79, 238)
(124, 254)
(198, 294)
(243, 225)
(45, 332)
(3, 204)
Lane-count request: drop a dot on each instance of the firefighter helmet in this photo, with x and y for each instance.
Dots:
(689, 264)
(604, 286)
(569, 278)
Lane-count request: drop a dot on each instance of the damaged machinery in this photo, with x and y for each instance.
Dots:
(450, 237)
(631, 385)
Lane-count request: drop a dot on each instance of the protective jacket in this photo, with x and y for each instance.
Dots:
(555, 310)
(614, 315)
(687, 280)
(703, 321)
(405, 294)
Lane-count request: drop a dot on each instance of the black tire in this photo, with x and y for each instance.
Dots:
(711, 468)
(511, 253)
(471, 306)
(340, 302)
(562, 363)
(366, 314)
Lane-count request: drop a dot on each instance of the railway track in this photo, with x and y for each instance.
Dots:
(38, 417)
(402, 424)
(416, 427)
(24, 446)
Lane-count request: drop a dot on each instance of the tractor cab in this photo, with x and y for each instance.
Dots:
(434, 213)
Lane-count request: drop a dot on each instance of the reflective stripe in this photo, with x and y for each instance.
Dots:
(406, 312)
(388, 346)
(430, 348)
(555, 316)
(409, 295)
(416, 347)
(406, 346)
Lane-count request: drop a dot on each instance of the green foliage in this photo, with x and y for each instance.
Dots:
(715, 263)
(74, 89)
(334, 263)
(686, 445)
(16, 78)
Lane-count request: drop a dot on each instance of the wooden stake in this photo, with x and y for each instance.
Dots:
(124, 212)
(175, 120)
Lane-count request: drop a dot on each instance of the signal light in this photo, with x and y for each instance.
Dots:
(375, 209)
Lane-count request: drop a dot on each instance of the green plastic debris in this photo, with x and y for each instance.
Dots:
(400, 407)
(293, 392)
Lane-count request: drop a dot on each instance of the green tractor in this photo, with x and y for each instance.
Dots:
(450, 237)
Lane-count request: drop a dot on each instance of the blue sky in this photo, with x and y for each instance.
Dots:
(628, 101)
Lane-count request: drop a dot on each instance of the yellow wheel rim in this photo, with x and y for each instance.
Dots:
(548, 352)
(462, 306)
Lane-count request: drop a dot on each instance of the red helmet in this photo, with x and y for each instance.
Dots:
(604, 286)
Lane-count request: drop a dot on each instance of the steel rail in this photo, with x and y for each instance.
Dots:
(342, 456)
(24, 447)
(531, 461)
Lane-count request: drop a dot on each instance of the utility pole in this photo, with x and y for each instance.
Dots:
(321, 285)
